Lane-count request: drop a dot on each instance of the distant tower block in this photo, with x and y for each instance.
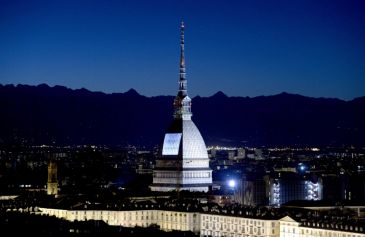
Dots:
(52, 183)
(183, 162)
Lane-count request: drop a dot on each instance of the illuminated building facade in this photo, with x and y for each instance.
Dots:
(208, 224)
(276, 189)
(292, 187)
(183, 162)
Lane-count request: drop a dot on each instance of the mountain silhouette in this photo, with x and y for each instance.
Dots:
(58, 115)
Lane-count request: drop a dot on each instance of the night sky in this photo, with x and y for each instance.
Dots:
(243, 48)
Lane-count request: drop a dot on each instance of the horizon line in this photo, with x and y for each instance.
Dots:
(220, 93)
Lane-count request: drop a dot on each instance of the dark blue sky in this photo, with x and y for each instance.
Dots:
(243, 48)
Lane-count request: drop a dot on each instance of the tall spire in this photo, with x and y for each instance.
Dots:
(182, 82)
(182, 102)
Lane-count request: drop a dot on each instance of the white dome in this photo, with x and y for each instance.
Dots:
(184, 140)
(193, 144)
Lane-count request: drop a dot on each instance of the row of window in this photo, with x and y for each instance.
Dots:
(178, 175)
(327, 233)
(236, 220)
(234, 228)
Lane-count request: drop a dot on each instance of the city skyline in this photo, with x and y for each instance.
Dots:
(256, 48)
(252, 144)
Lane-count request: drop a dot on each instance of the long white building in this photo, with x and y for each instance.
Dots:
(208, 224)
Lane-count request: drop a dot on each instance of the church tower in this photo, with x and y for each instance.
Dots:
(183, 162)
(52, 183)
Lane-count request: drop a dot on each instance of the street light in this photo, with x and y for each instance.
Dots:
(231, 183)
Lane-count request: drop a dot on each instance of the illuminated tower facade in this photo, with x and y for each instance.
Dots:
(183, 162)
(52, 183)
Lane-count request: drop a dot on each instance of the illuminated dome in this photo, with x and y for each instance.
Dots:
(183, 162)
(184, 140)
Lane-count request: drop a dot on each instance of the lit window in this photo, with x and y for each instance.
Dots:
(171, 144)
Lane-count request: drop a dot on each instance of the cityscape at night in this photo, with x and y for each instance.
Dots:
(182, 118)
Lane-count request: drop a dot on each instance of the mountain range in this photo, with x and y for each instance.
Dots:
(59, 115)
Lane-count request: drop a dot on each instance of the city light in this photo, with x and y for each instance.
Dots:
(231, 183)
(302, 167)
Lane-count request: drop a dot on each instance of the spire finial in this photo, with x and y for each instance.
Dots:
(182, 49)
(182, 81)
